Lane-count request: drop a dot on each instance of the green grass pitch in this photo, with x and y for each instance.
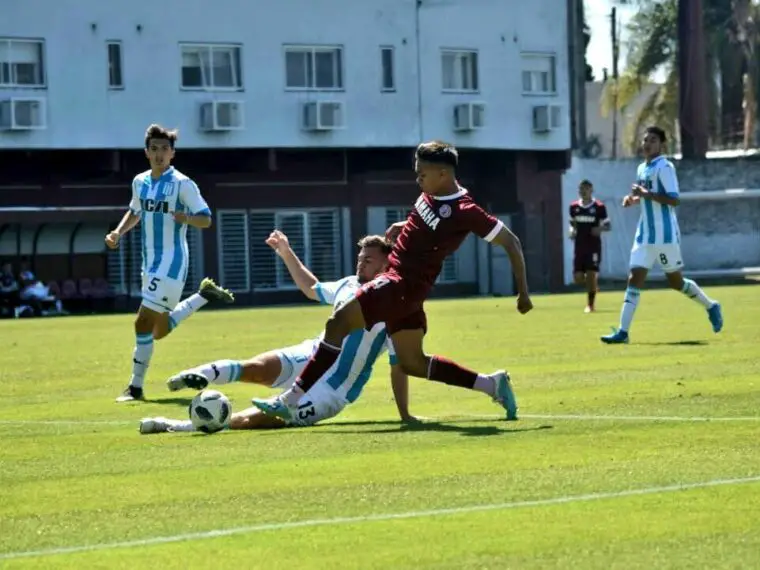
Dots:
(588, 478)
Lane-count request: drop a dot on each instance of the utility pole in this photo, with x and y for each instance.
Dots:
(615, 77)
(692, 92)
(580, 100)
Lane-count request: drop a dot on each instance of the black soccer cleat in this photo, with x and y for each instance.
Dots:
(131, 394)
(186, 380)
(210, 291)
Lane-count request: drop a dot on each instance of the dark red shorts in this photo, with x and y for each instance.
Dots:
(587, 260)
(388, 299)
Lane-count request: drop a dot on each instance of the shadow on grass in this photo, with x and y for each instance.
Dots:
(676, 343)
(443, 425)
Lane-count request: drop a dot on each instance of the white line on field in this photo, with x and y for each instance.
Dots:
(378, 518)
(583, 417)
(67, 422)
(450, 417)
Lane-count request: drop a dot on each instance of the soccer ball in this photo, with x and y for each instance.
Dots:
(209, 411)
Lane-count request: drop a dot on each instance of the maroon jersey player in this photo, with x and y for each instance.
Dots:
(588, 219)
(442, 217)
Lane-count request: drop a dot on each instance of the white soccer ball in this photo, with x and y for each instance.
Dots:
(209, 411)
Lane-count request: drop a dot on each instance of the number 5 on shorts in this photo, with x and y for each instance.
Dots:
(153, 284)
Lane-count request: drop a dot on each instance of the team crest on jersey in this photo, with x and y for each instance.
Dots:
(444, 211)
(169, 189)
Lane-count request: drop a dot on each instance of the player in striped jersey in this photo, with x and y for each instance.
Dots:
(658, 239)
(164, 202)
(340, 386)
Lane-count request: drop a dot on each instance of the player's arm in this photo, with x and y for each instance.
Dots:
(491, 229)
(200, 214)
(511, 244)
(400, 385)
(303, 278)
(573, 229)
(670, 195)
(128, 221)
(604, 222)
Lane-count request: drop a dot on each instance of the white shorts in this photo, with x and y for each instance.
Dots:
(667, 255)
(293, 360)
(160, 293)
(318, 404)
(321, 402)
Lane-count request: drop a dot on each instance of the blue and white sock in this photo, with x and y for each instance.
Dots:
(141, 359)
(221, 371)
(630, 302)
(694, 292)
(185, 309)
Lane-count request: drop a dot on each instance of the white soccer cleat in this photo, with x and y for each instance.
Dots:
(155, 425)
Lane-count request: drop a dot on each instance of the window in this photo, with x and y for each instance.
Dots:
(115, 79)
(460, 70)
(387, 69)
(314, 68)
(215, 67)
(449, 269)
(539, 74)
(21, 63)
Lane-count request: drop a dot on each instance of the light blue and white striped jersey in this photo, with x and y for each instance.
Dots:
(361, 348)
(658, 223)
(164, 241)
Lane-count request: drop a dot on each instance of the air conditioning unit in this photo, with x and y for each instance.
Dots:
(469, 116)
(222, 116)
(546, 118)
(23, 114)
(322, 116)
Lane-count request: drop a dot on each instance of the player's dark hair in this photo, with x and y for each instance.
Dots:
(161, 133)
(376, 241)
(659, 132)
(438, 152)
(585, 182)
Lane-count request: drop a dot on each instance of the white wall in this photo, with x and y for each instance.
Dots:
(54, 239)
(83, 113)
(716, 234)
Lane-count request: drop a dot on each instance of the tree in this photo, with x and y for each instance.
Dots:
(653, 45)
(586, 40)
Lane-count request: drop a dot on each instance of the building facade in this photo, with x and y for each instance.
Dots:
(292, 114)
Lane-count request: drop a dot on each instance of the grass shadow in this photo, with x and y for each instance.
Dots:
(676, 343)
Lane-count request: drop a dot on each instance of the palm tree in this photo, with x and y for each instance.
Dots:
(653, 45)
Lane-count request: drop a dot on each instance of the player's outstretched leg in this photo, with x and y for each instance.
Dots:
(695, 293)
(250, 418)
(630, 302)
(218, 372)
(345, 320)
(208, 292)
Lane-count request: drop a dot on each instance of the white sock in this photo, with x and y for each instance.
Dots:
(485, 384)
(181, 425)
(693, 291)
(630, 303)
(141, 359)
(185, 309)
(291, 396)
(221, 371)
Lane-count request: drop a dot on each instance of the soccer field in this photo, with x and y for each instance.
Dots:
(614, 463)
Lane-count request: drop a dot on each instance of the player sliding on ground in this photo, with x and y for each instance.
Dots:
(658, 238)
(339, 386)
(443, 216)
(164, 202)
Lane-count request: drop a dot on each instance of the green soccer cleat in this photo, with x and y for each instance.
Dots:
(210, 291)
